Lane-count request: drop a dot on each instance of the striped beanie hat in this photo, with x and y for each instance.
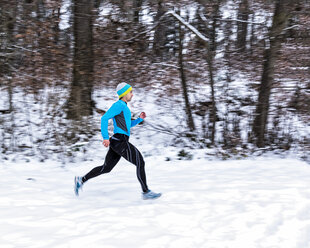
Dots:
(123, 89)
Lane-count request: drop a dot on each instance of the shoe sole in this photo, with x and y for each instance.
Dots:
(152, 198)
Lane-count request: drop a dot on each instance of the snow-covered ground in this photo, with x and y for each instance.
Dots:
(262, 202)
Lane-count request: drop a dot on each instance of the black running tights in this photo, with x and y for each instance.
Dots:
(120, 147)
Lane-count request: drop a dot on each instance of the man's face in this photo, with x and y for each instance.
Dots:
(128, 97)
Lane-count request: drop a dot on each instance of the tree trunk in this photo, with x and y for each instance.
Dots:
(137, 4)
(211, 47)
(215, 16)
(210, 58)
(252, 37)
(7, 58)
(6, 44)
(188, 109)
(280, 19)
(80, 100)
(242, 27)
(160, 31)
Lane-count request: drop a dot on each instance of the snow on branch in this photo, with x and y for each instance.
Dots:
(291, 27)
(189, 26)
(26, 49)
(180, 19)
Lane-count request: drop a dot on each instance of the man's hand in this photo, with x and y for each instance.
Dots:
(106, 143)
(143, 115)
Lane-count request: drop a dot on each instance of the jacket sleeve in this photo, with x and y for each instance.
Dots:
(114, 110)
(136, 122)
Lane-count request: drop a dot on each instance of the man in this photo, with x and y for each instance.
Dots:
(119, 145)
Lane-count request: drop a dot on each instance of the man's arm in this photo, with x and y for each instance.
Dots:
(114, 110)
(139, 120)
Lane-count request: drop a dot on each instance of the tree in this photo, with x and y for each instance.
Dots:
(80, 101)
(188, 110)
(280, 18)
(242, 25)
(165, 27)
(210, 48)
(136, 8)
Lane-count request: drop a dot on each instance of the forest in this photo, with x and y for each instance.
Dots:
(230, 75)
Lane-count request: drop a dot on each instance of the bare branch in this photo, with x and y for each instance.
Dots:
(189, 26)
(291, 27)
(142, 33)
(168, 65)
(237, 20)
(25, 49)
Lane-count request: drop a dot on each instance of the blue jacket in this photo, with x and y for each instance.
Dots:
(121, 115)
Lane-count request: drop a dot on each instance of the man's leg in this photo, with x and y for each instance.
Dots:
(111, 160)
(133, 155)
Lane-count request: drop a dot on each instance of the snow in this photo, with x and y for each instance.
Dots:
(65, 13)
(262, 202)
(258, 202)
